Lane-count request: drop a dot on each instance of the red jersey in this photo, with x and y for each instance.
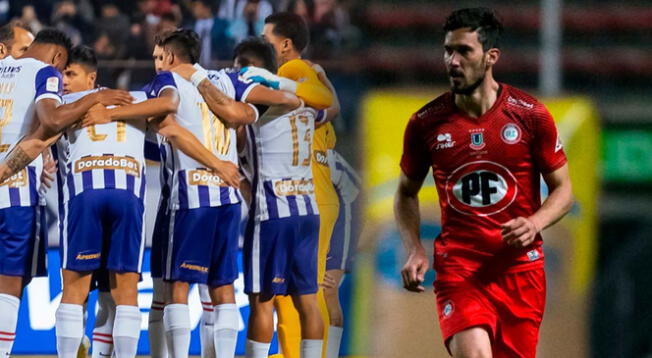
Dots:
(487, 172)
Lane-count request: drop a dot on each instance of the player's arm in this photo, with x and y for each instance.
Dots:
(185, 141)
(165, 104)
(25, 152)
(408, 220)
(295, 78)
(521, 232)
(335, 108)
(229, 111)
(268, 97)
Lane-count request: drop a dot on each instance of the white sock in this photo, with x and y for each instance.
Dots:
(334, 341)
(311, 348)
(156, 330)
(103, 330)
(9, 306)
(227, 318)
(206, 335)
(176, 319)
(70, 329)
(255, 349)
(126, 331)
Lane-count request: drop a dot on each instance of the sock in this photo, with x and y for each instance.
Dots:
(103, 330)
(176, 318)
(69, 328)
(311, 348)
(126, 331)
(206, 335)
(8, 318)
(227, 318)
(156, 330)
(334, 341)
(255, 349)
(288, 327)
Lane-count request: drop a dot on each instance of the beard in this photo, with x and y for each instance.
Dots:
(467, 90)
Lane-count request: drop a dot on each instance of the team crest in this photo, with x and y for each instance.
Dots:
(477, 139)
(510, 134)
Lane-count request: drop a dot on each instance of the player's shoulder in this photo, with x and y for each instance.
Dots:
(436, 110)
(519, 100)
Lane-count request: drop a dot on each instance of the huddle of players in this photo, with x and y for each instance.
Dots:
(195, 114)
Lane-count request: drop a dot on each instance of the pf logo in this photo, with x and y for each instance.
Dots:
(480, 188)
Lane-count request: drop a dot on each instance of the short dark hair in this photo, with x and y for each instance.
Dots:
(291, 26)
(7, 33)
(53, 37)
(184, 43)
(257, 48)
(481, 19)
(85, 56)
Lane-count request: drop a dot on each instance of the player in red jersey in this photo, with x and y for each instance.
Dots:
(488, 144)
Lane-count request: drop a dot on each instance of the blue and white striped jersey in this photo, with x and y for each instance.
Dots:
(105, 156)
(23, 82)
(345, 180)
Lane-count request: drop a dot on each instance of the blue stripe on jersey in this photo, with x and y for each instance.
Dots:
(239, 84)
(87, 180)
(131, 182)
(109, 178)
(225, 196)
(292, 204)
(152, 151)
(71, 181)
(143, 183)
(14, 196)
(271, 200)
(309, 208)
(33, 190)
(254, 184)
(183, 190)
(204, 198)
(165, 185)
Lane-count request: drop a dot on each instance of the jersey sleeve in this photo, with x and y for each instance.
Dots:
(241, 85)
(415, 161)
(49, 84)
(152, 151)
(321, 116)
(162, 81)
(309, 88)
(548, 152)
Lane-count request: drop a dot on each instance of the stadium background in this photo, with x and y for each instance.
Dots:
(588, 60)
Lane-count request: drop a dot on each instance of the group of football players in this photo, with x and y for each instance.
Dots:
(253, 135)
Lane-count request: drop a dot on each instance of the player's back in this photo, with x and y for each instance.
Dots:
(23, 82)
(280, 151)
(193, 185)
(106, 156)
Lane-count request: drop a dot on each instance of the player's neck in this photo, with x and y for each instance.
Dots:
(480, 100)
(289, 57)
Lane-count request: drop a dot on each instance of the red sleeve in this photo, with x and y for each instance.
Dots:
(415, 161)
(548, 151)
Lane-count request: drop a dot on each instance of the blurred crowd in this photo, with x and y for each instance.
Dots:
(124, 29)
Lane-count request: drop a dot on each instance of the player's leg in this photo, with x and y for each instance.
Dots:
(336, 317)
(19, 233)
(105, 317)
(327, 218)
(155, 328)
(471, 343)
(82, 235)
(124, 262)
(261, 326)
(223, 272)
(303, 285)
(188, 260)
(288, 326)
(206, 323)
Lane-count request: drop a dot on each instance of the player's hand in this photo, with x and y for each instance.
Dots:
(329, 281)
(113, 97)
(414, 271)
(49, 169)
(228, 172)
(262, 76)
(184, 70)
(519, 232)
(98, 114)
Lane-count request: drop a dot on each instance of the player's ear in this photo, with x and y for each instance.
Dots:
(4, 51)
(287, 45)
(91, 79)
(492, 56)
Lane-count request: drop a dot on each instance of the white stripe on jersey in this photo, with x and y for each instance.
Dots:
(106, 156)
(281, 159)
(345, 179)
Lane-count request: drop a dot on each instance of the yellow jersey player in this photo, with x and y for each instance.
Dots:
(289, 35)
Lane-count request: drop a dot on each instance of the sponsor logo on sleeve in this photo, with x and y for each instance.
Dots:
(321, 157)
(52, 84)
(444, 140)
(558, 146)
